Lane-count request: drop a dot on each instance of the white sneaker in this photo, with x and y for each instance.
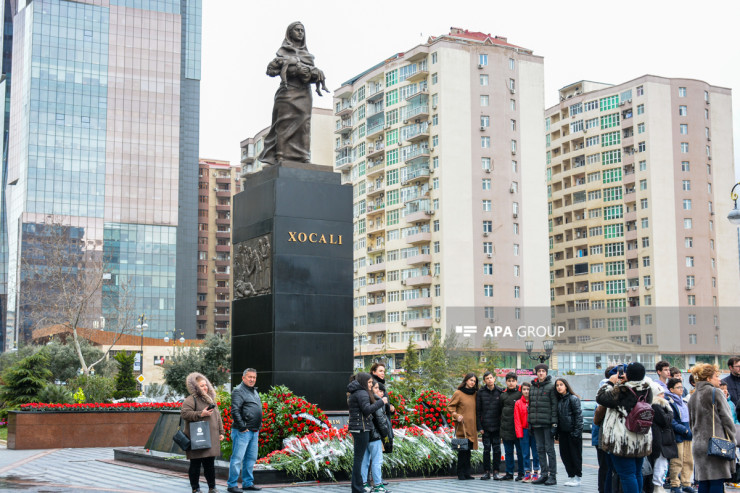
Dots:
(577, 481)
(570, 482)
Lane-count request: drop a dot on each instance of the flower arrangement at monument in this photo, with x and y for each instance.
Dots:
(286, 415)
(431, 410)
(99, 407)
(323, 454)
(401, 416)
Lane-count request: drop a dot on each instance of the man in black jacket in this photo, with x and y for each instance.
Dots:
(543, 421)
(733, 380)
(489, 422)
(246, 411)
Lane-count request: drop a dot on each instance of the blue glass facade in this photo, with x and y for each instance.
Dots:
(7, 51)
(68, 109)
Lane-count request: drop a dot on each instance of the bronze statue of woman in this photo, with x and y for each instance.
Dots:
(289, 138)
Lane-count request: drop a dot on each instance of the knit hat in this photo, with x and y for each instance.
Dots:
(635, 372)
(541, 366)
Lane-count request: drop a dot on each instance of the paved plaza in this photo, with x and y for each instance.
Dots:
(94, 470)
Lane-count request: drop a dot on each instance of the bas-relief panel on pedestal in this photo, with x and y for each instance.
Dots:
(252, 267)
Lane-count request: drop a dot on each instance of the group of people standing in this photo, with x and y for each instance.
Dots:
(643, 450)
(527, 418)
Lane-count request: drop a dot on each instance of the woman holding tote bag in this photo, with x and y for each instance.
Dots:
(195, 408)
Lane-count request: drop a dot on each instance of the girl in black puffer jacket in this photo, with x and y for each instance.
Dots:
(360, 421)
(570, 429)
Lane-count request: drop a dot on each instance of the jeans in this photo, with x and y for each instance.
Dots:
(509, 446)
(209, 471)
(546, 450)
(374, 455)
(605, 471)
(571, 452)
(491, 444)
(361, 441)
(528, 444)
(243, 457)
(629, 470)
(712, 486)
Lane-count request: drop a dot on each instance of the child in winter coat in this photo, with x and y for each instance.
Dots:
(664, 441)
(526, 439)
(570, 429)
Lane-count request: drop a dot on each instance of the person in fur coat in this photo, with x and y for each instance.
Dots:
(710, 417)
(625, 448)
(195, 408)
(664, 441)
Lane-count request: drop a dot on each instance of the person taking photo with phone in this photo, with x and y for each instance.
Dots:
(200, 405)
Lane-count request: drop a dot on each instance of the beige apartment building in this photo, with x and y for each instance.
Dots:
(218, 182)
(641, 267)
(322, 153)
(443, 147)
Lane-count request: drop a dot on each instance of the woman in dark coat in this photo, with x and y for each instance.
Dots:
(195, 408)
(709, 416)
(361, 422)
(570, 429)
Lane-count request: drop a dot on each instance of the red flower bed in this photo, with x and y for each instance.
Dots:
(430, 408)
(401, 417)
(100, 407)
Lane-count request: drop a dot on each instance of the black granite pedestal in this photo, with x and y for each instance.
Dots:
(292, 257)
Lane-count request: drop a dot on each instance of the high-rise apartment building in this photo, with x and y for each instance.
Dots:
(7, 51)
(641, 268)
(104, 119)
(442, 146)
(218, 182)
(322, 152)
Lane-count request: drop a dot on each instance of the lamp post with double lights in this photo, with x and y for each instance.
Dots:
(142, 326)
(359, 343)
(734, 215)
(547, 344)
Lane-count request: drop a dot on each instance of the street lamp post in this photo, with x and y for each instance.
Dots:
(142, 326)
(734, 215)
(547, 344)
(359, 342)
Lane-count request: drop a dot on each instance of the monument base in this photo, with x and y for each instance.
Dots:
(292, 309)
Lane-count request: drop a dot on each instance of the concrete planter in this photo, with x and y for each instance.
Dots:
(44, 430)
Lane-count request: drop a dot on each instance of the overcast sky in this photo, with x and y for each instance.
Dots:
(610, 42)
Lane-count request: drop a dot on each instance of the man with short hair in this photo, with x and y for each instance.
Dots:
(733, 379)
(676, 373)
(511, 394)
(543, 420)
(246, 411)
(489, 422)
(663, 369)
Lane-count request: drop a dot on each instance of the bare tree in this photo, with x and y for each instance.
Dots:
(65, 281)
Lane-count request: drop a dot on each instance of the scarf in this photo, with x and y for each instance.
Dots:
(683, 409)
(468, 391)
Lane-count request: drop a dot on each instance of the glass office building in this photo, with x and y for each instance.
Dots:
(104, 138)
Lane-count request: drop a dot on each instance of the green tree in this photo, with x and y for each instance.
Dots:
(492, 355)
(96, 388)
(434, 366)
(10, 358)
(212, 359)
(411, 383)
(64, 361)
(460, 359)
(55, 394)
(125, 381)
(24, 380)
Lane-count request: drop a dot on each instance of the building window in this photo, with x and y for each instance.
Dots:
(689, 261)
(640, 90)
(692, 300)
(681, 92)
(686, 185)
(482, 59)
(685, 166)
(485, 121)
(488, 290)
(640, 128)
(484, 99)
(640, 109)
(683, 129)
(646, 261)
(485, 142)
(484, 79)
(684, 147)
(645, 242)
(641, 146)
(488, 226)
(682, 111)
(486, 184)
(687, 204)
(435, 78)
(690, 281)
(692, 338)
(488, 269)
(434, 57)
(511, 64)
(643, 165)
(486, 206)
(516, 249)
(517, 291)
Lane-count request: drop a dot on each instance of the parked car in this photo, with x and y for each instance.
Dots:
(588, 408)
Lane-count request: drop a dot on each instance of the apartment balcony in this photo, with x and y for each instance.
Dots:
(416, 173)
(423, 258)
(419, 323)
(223, 248)
(375, 150)
(374, 92)
(418, 238)
(222, 303)
(202, 318)
(223, 207)
(345, 108)
(344, 127)
(419, 302)
(222, 276)
(375, 307)
(376, 327)
(344, 92)
(418, 75)
(415, 112)
(418, 132)
(418, 280)
(375, 130)
(223, 263)
(343, 163)
(417, 152)
(222, 290)
(223, 193)
(419, 216)
(374, 189)
(374, 288)
(630, 235)
(379, 267)
(223, 179)
(226, 221)
(374, 167)
(376, 248)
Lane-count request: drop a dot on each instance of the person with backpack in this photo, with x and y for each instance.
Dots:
(625, 432)
(664, 441)
(570, 429)
(682, 466)
(380, 442)
(525, 437)
(508, 400)
(543, 421)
